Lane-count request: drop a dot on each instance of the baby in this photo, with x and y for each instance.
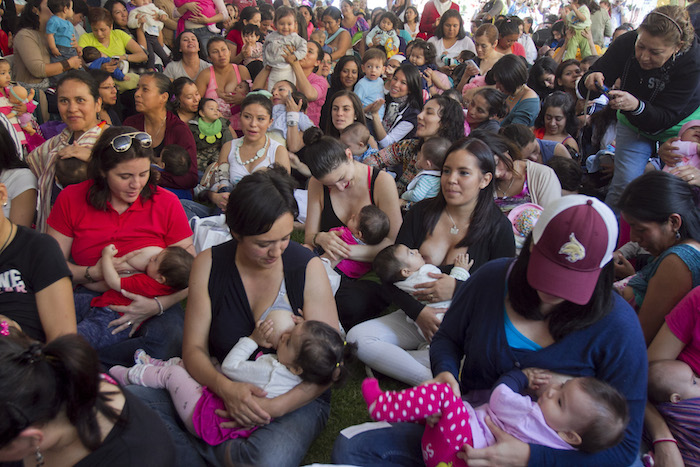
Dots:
(283, 117)
(311, 352)
(207, 8)
(405, 268)
(385, 35)
(688, 146)
(371, 87)
(166, 273)
(5, 104)
(94, 60)
(60, 32)
(149, 33)
(583, 413)
(241, 90)
(426, 184)
(369, 226)
(356, 137)
(175, 160)
(70, 171)
(578, 20)
(672, 381)
(211, 133)
(252, 48)
(422, 55)
(281, 42)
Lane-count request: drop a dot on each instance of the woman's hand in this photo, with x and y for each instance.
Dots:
(241, 406)
(428, 322)
(288, 54)
(471, 70)
(194, 8)
(622, 100)
(688, 173)
(110, 66)
(374, 107)
(292, 106)
(428, 77)
(668, 153)
(507, 452)
(333, 245)
(135, 313)
(447, 378)
(439, 290)
(75, 151)
(596, 78)
(623, 268)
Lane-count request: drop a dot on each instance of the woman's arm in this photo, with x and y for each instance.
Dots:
(295, 398)
(282, 158)
(26, 48)
(238, 397)
(397, 133)
(343, 42)
(202, 81)
(136, 53)
(56, 309)
(261, 80)
(23, 208)
(78, 272)
(319, 304)
(314, 206)
(387, 199)
(667, 287)
(666, 453)
(379, 130)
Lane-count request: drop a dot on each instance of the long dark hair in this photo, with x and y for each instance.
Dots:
(656, 195)
(9, 159)
(566, 103)
(178, 85)
(414, 80)
(486, 214)
(336, 85)
(29, 19)
(566, 317)
(539, 69)
(39, 381)
(451, 118)
(247, 14)
(331, 130)
(104, 158)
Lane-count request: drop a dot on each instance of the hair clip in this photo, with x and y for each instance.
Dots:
(337, 364)
(173, 99)
(32, 354)
(345, 343)
(4, 328)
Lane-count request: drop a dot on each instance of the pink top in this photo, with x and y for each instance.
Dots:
(321, 85)
(684, 323)
(349, 267)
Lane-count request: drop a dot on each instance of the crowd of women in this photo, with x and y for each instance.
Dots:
(538, 222)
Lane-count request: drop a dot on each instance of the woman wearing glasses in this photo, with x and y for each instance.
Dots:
(79, 102)
(152, 94)
(119, 204)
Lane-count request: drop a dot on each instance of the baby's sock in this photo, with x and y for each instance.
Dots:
(370, 392)
(119, 373)
(212, 27)
(141, 357)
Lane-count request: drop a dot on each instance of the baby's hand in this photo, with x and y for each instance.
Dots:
(109, 251)
(463, 261)
(126, 78)
(537, 377)
(263, 332)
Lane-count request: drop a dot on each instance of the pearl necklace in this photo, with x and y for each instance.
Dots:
(259, 154)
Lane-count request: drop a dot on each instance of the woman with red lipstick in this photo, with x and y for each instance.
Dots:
(340, 186)
(79, 102)
(658, 66)
(120, 204)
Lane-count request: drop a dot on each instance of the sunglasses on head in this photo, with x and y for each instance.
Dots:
(122, 143)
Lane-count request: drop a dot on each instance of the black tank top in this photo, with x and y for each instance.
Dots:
(329, 219)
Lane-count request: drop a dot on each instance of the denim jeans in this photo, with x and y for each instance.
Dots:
(203, 34)
(160, 336)
(93, 326)
(399, 445)
(632, 152)
(193, 208)
(283, 442)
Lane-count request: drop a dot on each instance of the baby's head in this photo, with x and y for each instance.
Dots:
(285, 20)
(251, 33)
(316, 353)
(242, 89)
(422, 53)
(64, 8)
(90, 54)
(356, 137)
(5, 73)
(370, 224)
(209, 110)
(432, 153)
(318, 36)
(587, 413)
(171, 267)
(373, 61)
(70, 171)
(176, 159)
(396, 262)
(569, 173)
(672, 381)
(299, 96)
(389, 22)
(690, 131)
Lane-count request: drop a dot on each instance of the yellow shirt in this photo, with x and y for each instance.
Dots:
(117, 42)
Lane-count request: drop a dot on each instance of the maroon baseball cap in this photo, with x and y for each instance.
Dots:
(573, 239)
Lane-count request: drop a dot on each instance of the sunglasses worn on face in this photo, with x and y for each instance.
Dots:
(122, 143)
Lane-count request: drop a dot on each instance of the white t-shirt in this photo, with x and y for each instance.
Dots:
(452, 52)
(17, 182)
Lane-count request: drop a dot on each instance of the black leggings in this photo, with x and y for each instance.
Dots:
(154, 47)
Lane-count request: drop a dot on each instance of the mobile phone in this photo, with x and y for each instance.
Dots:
(472, 62)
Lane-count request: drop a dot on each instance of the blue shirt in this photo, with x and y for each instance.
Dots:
(62, 29)
(369, 91)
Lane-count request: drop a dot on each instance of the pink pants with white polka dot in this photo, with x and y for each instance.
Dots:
(440, 443)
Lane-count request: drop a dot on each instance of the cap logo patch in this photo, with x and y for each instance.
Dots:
(573, 249)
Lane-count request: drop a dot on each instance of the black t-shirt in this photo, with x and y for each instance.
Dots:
(29, 264)
(141, 440)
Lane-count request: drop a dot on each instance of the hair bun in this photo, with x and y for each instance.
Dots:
(312, 136)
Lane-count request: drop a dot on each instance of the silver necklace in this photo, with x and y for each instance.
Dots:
(505, 192)
(454, 230)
